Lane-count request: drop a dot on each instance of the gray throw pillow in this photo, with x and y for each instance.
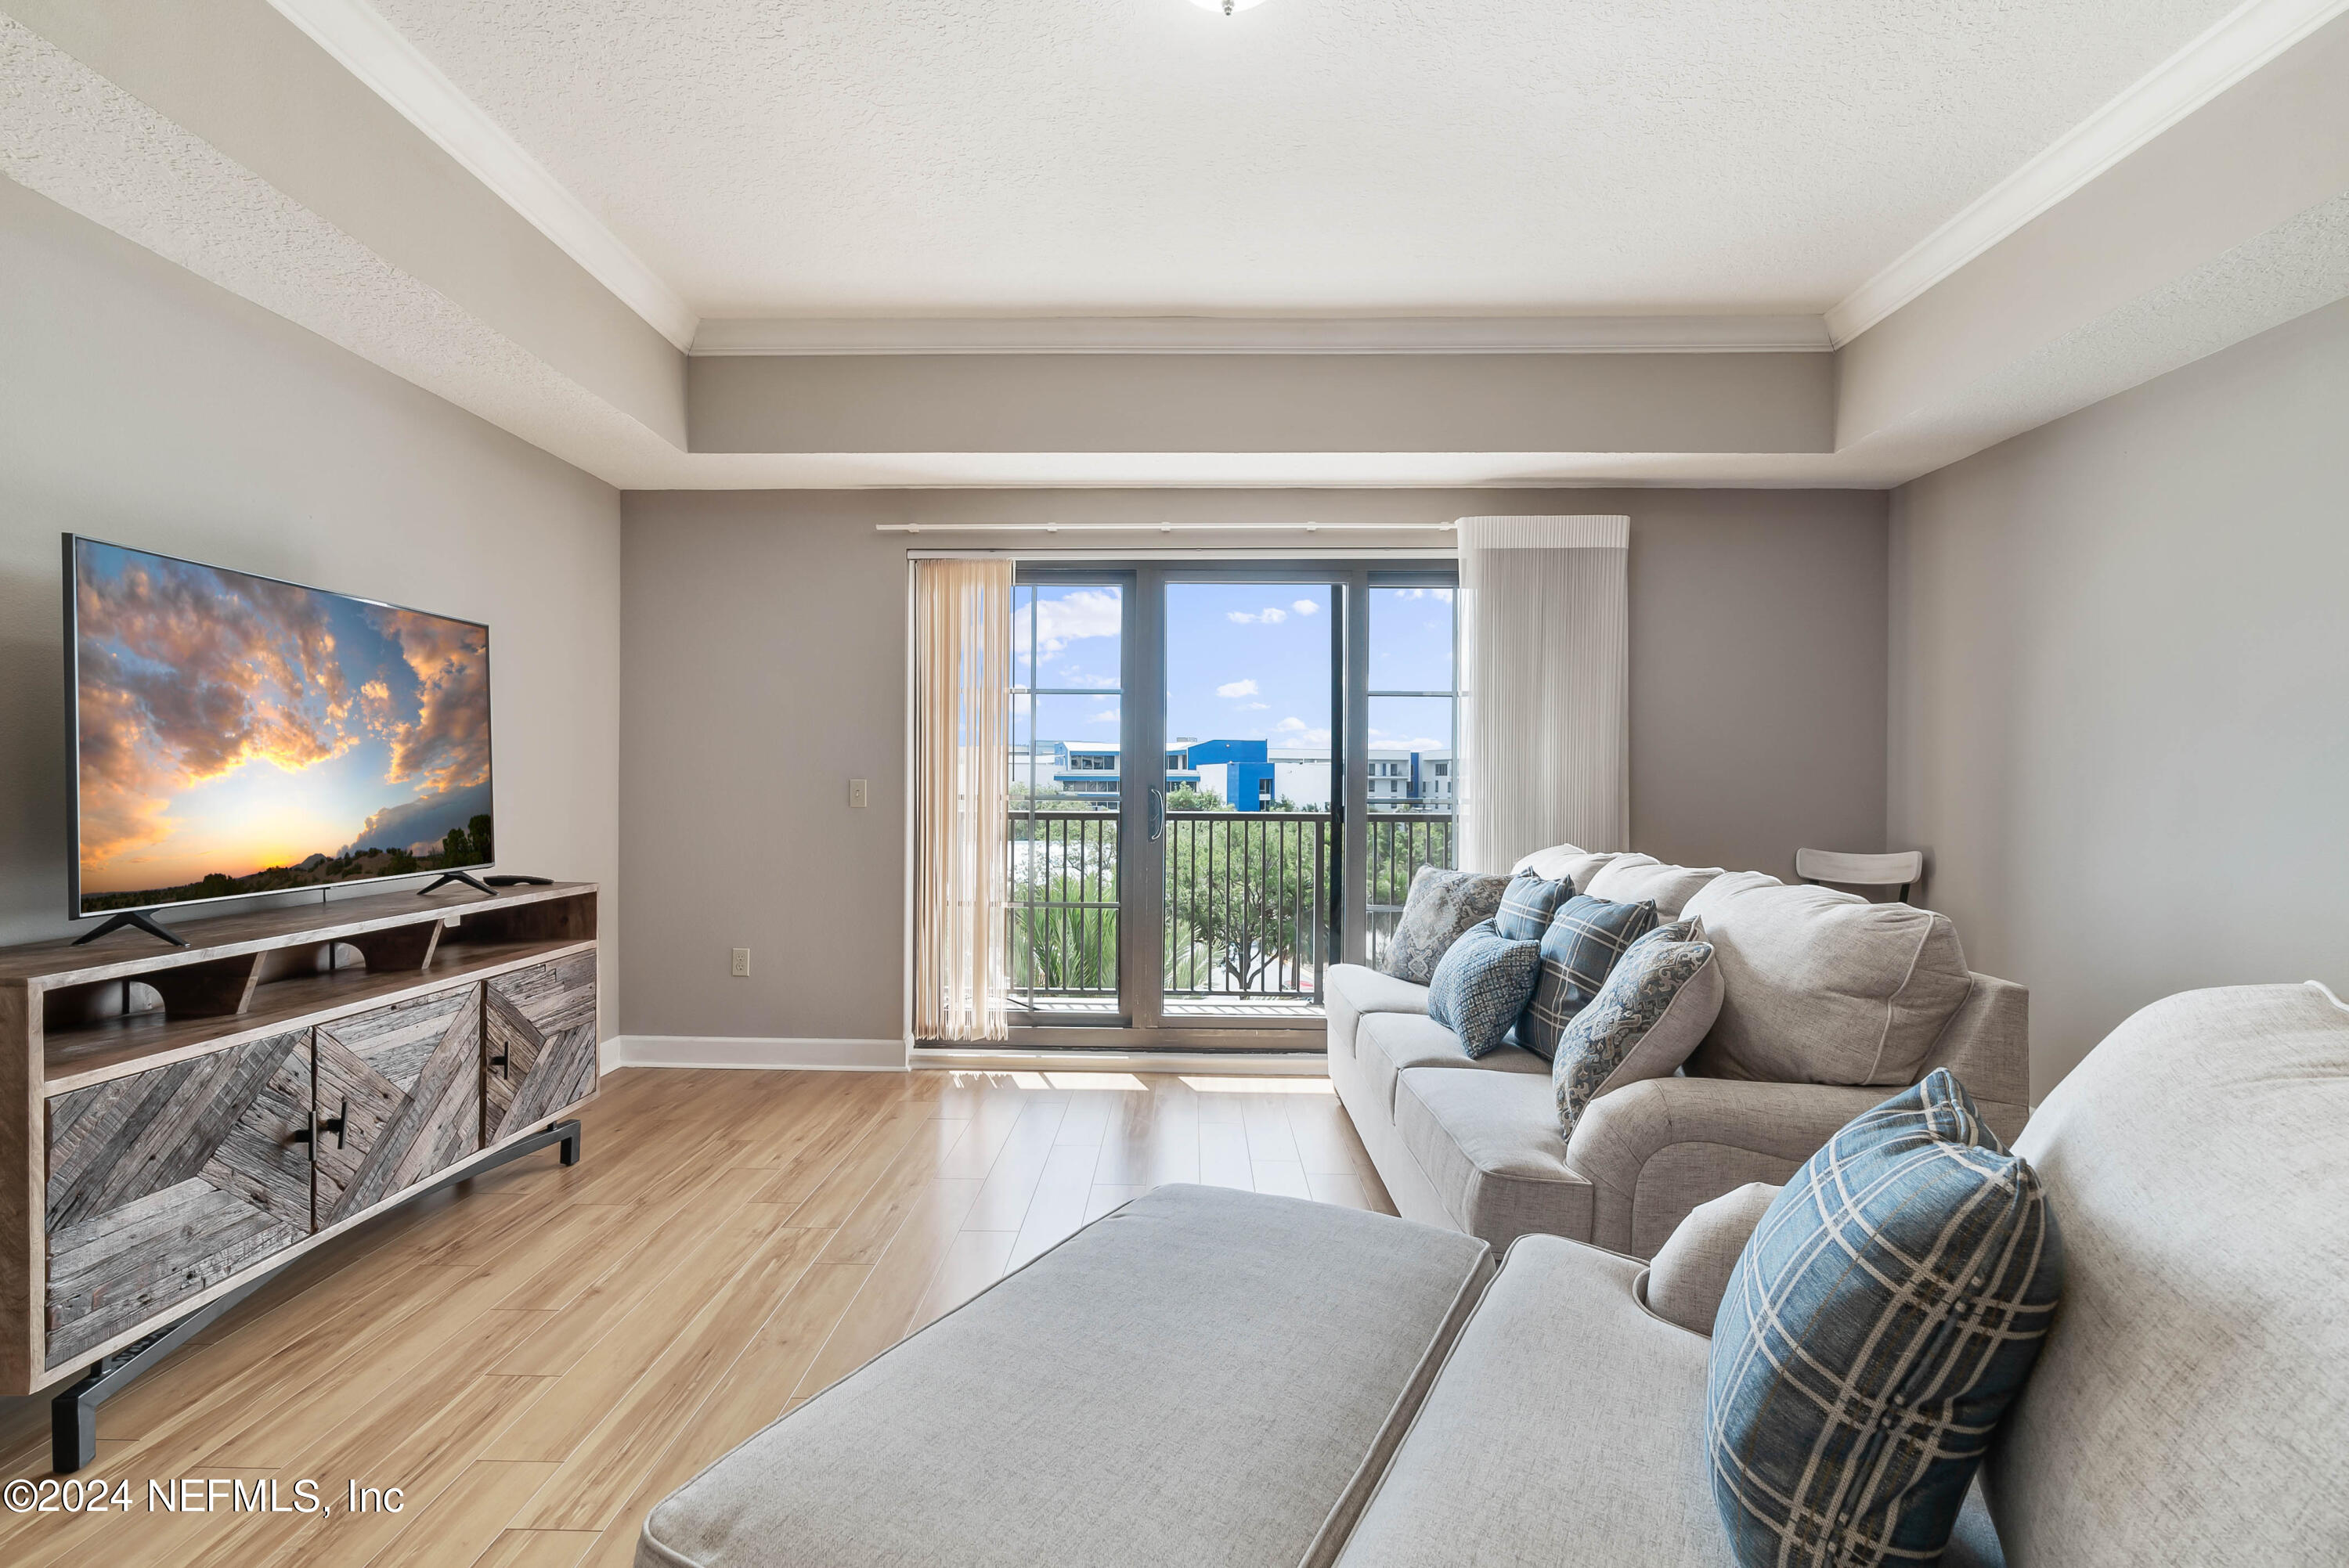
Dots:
(1657, 1004)
(1481, 986)
(1440, 906)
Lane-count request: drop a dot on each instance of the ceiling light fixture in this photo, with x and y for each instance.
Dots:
(1228, 7)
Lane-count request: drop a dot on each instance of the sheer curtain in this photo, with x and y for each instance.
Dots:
(962, 736)
(1545, 687)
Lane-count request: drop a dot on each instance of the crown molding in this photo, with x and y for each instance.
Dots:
(1220, 334)
(371, 49)
(2238, 45)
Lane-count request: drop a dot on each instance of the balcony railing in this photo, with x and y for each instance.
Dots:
(1399, 843)
(1063, 910)
(1249, 905)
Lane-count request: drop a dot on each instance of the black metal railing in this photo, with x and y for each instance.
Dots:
(1249, 896)
(1063, 909)
(1397, 844)
(1247, 904)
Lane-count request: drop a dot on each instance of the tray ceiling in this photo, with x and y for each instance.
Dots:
(945, 158)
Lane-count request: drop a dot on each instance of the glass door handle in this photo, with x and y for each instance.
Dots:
(1157, 814)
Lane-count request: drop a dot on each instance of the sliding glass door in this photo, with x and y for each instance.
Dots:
(1293, 723)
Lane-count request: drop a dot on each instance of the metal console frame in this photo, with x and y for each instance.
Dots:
(73, 1414)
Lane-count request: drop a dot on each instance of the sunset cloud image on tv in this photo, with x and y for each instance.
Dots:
(239, 735)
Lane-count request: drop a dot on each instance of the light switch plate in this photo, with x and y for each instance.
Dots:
(856, 795)
(741, 961)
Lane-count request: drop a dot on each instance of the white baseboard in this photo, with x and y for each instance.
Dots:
(1214, 1064)
(746, 1051)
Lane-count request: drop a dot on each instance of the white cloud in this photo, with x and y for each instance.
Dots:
(1443, 594)
(1305, 607)
(1270, 616)
(1255, 707)
(1106, 716)
(1087, 613)
(1236, 688)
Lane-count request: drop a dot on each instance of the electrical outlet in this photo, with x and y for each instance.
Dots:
(856, 796)
(741, 961)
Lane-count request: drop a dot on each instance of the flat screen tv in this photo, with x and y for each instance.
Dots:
(235, 735)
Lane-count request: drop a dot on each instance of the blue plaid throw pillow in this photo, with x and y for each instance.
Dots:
(1481, 984)
(1578, 950)
(1886, 1311)
(1527, 904)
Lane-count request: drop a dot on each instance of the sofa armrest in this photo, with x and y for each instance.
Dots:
(1655, 1149)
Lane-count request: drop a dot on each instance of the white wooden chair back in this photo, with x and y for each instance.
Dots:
(1899, 870)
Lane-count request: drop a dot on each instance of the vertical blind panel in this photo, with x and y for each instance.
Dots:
(1545, 686)
(962, 774)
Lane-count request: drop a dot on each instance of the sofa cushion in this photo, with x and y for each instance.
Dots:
(1821, 986)
(1388, 1044)
(1440, 906)
(2192, 1404)
(1480, 986)
(1690, 1270)
(1527, 905)
(1488, 1143)
(1571, 861)
(1578, 952)
(1630, 879)
(1351, 990)
(1567, 1430)
(1654, 1008)
(1202, 1377)
(1884, 1313)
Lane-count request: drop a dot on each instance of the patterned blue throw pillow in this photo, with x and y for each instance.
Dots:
(1527, 905)
(1480, 986)
(1578, 950)
(1661, 998)
(1885, 1313)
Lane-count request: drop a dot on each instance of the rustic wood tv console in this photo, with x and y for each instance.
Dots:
(177, 1124)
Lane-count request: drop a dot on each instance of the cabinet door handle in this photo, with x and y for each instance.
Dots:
(499, 1062)
(337, 1124)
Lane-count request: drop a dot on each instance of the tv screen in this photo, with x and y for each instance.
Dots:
(235, 735)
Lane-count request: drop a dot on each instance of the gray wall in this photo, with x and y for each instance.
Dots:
(142, 404)
(764, 636)
(2120, 688)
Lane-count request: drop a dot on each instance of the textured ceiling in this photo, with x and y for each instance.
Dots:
(1105, 157)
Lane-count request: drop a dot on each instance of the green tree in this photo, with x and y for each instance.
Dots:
(216, 884)
(1190, 797)
(400, 864)
(455, 848)
(477, 830)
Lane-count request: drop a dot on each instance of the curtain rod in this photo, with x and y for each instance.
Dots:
(1159, 526)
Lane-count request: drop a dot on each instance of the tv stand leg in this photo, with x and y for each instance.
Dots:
(445, 878)
(135, 920)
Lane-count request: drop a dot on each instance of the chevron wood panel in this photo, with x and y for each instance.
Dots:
(541, 1022)
(411, 1077)
(164, 1183)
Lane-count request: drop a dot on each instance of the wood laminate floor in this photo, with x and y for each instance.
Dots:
(536, 1356)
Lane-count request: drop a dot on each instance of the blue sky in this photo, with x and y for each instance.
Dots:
(1245, 661)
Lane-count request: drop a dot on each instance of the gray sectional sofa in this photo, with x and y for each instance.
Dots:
(1207, 1377)
(1829, 1004)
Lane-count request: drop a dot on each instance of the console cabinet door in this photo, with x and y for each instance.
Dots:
(164, 1183)
(541, 1038)
(405, 1081)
